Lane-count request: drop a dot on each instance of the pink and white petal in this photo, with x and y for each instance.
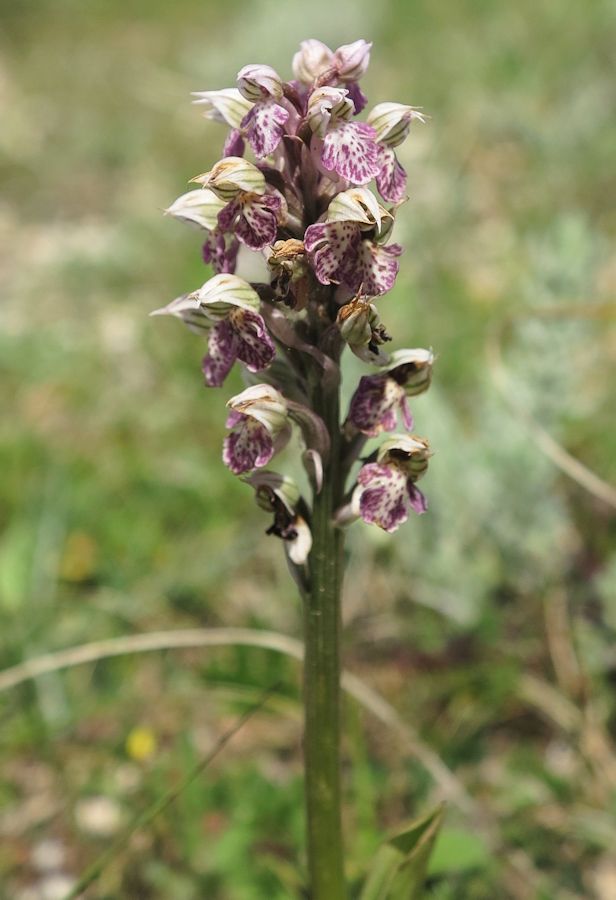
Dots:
(383, 500)
(389, 421)
(264, 125)
(316, 153)
(373, 405)
(227, 216)
(378, 267)
(407, 415)
(391, 178)
(254, 346)
(350, 150)
(332, 248)
(249, 446)
(220, 251)
(234, 418)
(416, 499)
(223, 346)
(258, 221)
(358, 97)
(234, 144)
(210, 246)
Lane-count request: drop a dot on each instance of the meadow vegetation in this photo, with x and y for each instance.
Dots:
(488, 624)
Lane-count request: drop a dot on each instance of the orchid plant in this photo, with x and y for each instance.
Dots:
(304, 204)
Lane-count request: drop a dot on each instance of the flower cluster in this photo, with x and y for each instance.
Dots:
(305, 204)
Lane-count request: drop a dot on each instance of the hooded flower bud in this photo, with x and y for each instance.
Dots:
(200, 206)
(226, 106)
(268, 484)
(355, 321)
(326, 107)
(214, 301)
(226, 308)
(357, 205)
(408, 451)
(222, 293)
(342, 252)
(361, 328)
(232, 176)
(311, 60)
(264, 124)
(259, 428)
(392, 122)
(352, 60)
(264, 404)
(412, 369)
(258, 82)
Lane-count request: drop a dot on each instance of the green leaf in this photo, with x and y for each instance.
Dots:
(399, 868)
(458, 850)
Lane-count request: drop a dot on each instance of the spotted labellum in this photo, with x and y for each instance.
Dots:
(312, 189)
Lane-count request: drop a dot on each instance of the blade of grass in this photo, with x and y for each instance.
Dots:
(451, 787)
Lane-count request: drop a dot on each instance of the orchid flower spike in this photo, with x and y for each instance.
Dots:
(312, 192)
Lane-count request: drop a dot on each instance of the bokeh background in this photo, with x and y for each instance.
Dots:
(489, 624)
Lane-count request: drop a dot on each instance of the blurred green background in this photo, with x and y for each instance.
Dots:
(489, 623)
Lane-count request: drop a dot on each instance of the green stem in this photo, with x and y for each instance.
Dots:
(322, 676)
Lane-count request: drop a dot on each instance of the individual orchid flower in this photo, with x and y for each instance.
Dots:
(374, 405)
(251, 213)
(231, 177)
(229, 107)
(313, 59)
(338, 145)
(201, 207)
(259, 426)
(360, 326)
(315, 63)
(377, 398)
(347, 64)
(226, 308)
(279, 494)
(386, 488)
(350, 63)
(345, 249)
(263, 125)
(392, 122)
